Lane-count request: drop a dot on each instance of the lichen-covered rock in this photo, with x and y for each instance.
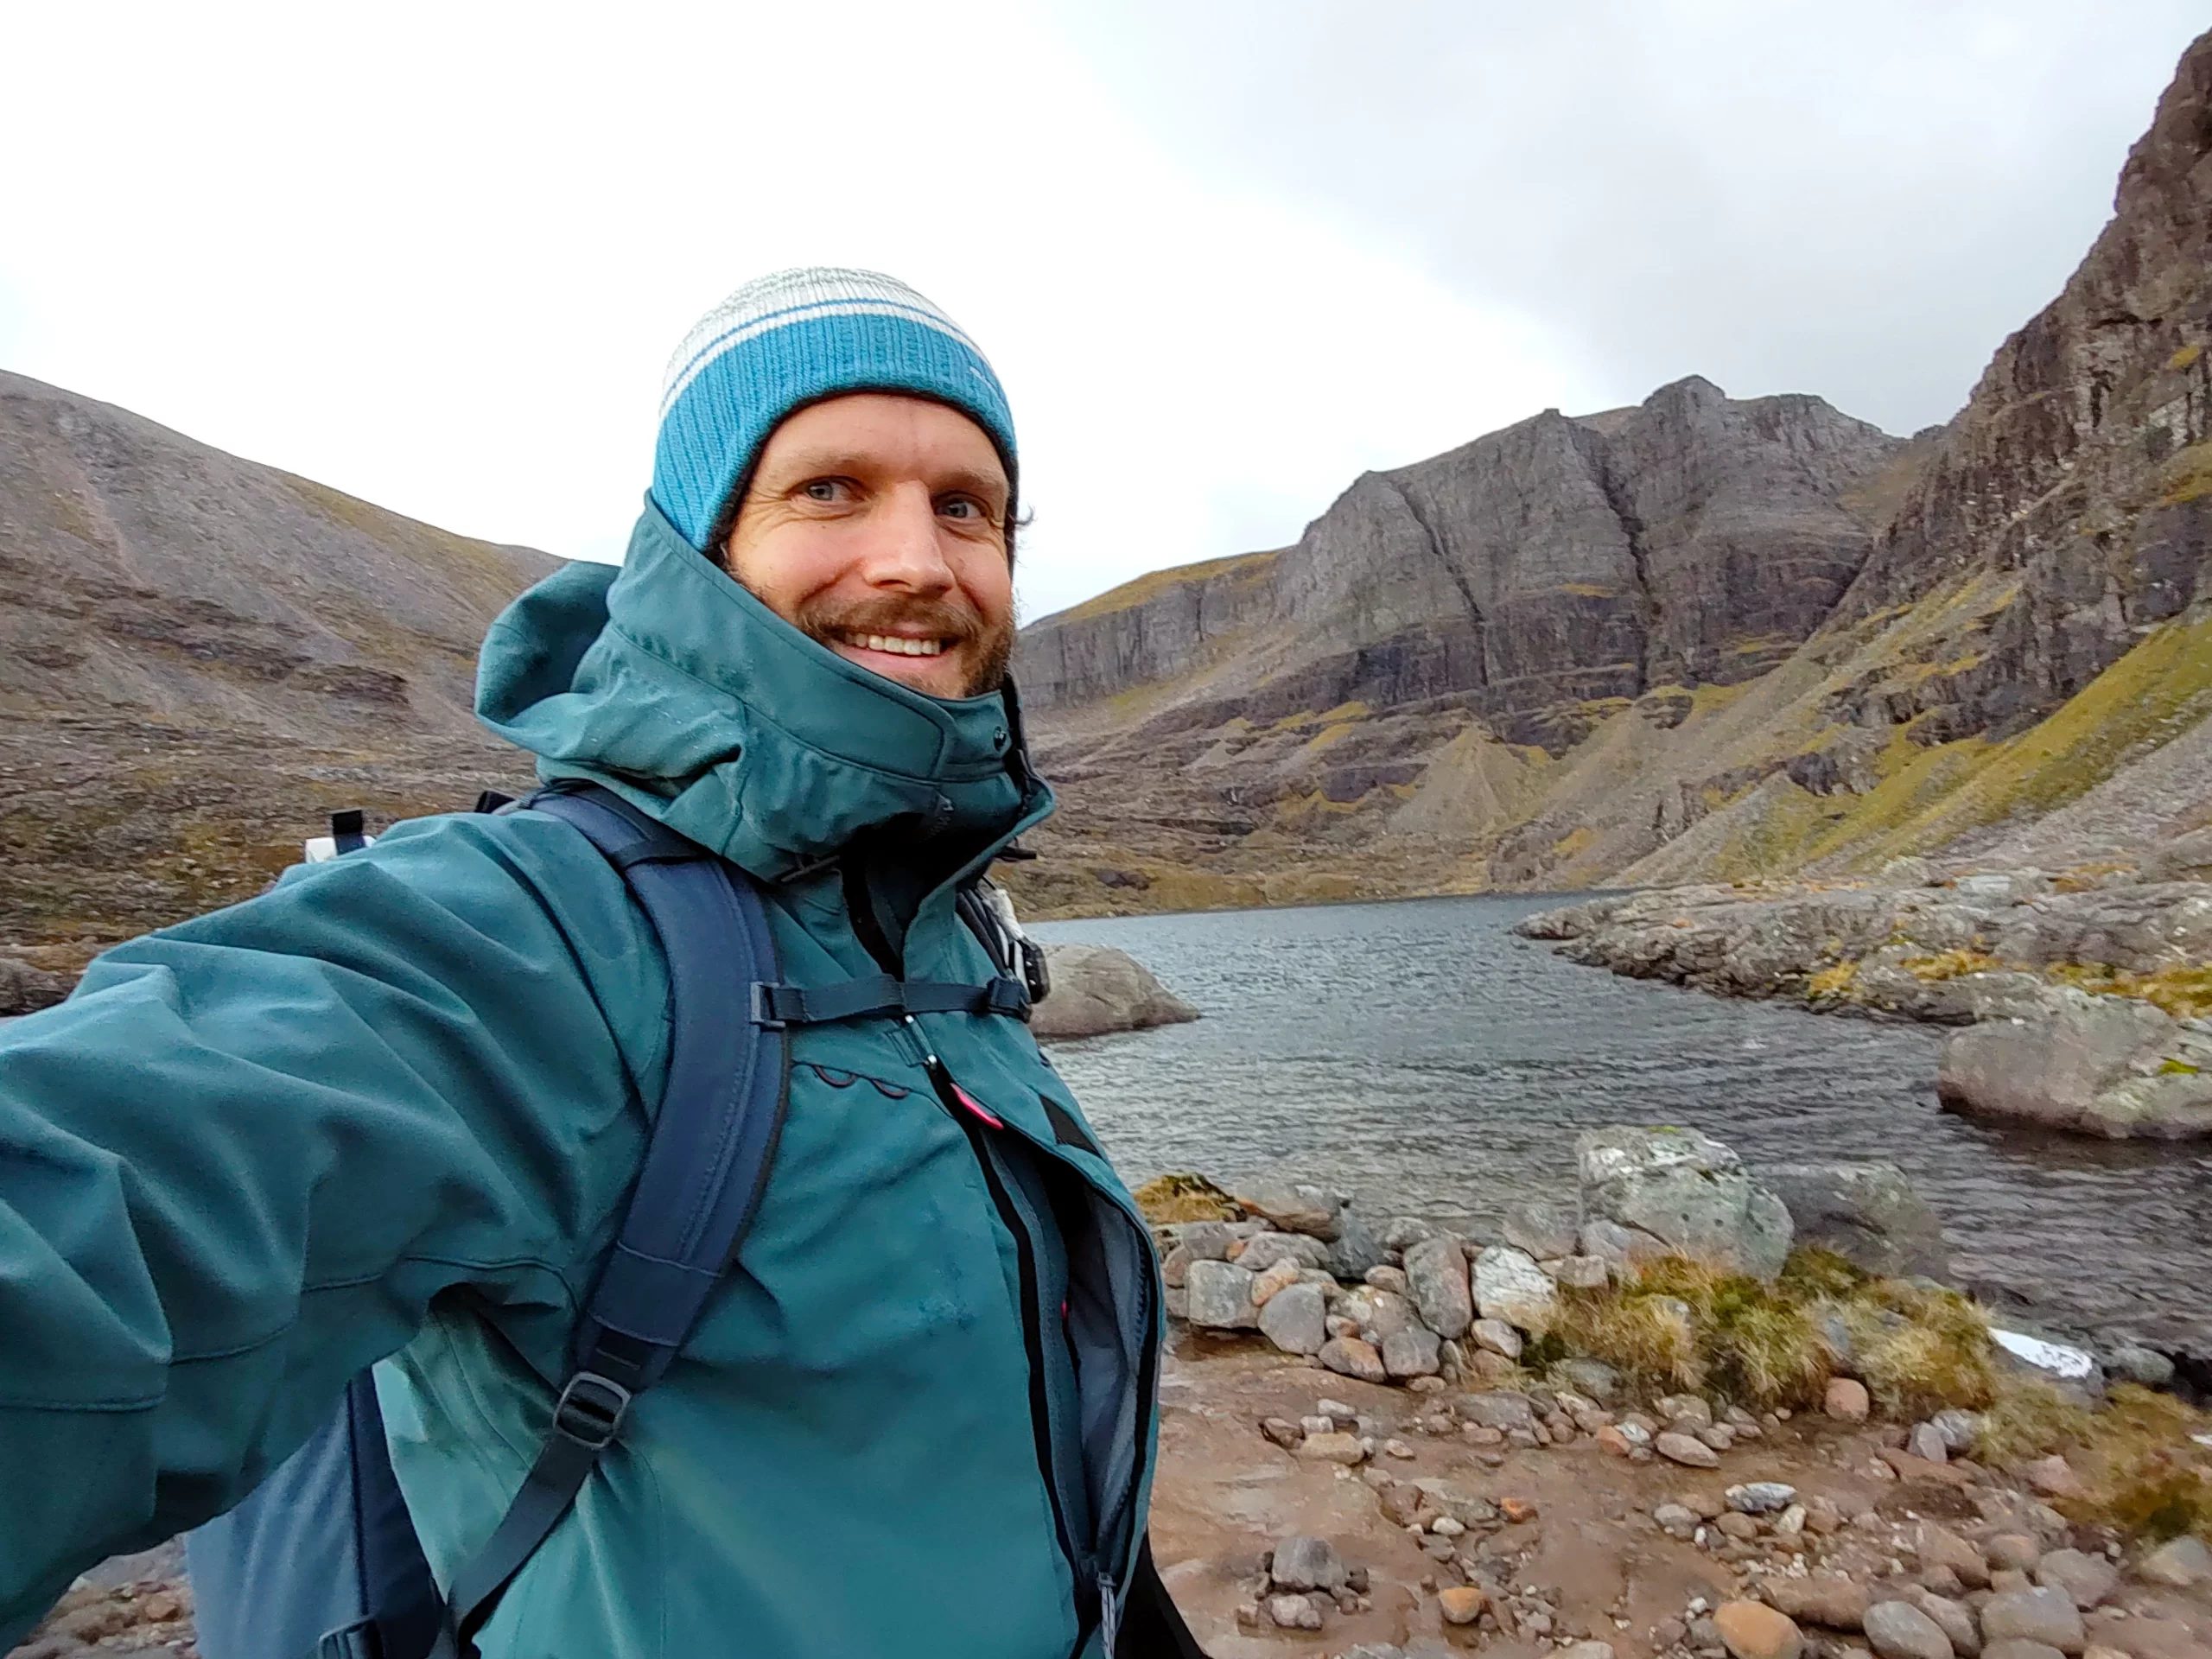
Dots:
(1219, 1295)
(1097, 990)
(1865, 1212)
(1687, 1190)
(1509, 1285)
(2113, 1066)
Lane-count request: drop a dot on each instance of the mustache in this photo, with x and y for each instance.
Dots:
(820, 618)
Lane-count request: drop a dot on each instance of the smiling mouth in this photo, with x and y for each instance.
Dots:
(895, 645)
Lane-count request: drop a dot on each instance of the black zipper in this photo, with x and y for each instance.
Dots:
(1033, 1334)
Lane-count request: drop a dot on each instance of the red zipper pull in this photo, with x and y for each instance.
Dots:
(977, 1107)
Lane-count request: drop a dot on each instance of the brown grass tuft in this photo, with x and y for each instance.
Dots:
(1173, 1198)
(2141, 1471)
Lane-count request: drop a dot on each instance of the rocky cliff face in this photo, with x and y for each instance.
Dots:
(1697, 638)
(200, 656)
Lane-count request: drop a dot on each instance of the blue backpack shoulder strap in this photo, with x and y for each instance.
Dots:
(705, 1167)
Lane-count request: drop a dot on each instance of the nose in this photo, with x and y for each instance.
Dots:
(903, 551)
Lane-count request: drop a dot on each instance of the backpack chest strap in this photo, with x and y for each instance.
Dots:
(881, 996)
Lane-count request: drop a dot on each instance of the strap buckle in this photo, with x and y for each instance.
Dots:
(764, 1005)
(1006, 996)
(591, 1409)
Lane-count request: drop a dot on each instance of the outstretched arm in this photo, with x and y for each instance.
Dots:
(239, 1163)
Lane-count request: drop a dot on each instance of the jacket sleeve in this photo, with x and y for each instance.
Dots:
(239, 1163)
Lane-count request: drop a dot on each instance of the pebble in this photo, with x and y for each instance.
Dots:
(1677, 1520)
(2014, 1551)
(1350, 1356)
(2035, 1615)
(1319, 1423)
(1956, 1620)
(1683, 1449)
(1463, 1604)
(2181, 1565)
(1396, 1448)
(1343, 1415)
(1938, 1545)
(1284, 1433)
(1827, 1599)
(1303, 1562)
(1761, 1497)
(1847, 1400)
(1294, 1613)
(1898, 1630)
(2086, 1578)
(1928, 1444)
(1334, 1447)
(1750, 1629)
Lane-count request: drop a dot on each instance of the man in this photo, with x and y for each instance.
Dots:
(390, 1110)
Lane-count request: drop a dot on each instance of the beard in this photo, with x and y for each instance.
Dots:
(961, 625)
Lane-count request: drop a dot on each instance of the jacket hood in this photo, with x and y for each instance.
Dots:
(671, 684)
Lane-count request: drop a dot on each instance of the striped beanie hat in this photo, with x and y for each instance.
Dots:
(793, 339)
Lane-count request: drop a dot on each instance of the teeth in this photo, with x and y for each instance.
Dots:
(897, 644)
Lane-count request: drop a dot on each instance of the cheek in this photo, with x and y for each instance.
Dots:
(988, 582)
(791, 563)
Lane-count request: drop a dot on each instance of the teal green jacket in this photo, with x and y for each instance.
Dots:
(389, 1111)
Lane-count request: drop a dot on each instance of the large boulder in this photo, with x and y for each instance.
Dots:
(1436, 1279)
(2114, 1066)
(1686, 1190)
(1097, 988)
(1868, 1213)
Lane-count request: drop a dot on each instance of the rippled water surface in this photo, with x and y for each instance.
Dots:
(1421, 1056)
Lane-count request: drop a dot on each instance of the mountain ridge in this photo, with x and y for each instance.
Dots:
(1693, 638)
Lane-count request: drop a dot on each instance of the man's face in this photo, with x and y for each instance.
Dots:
(875, 525)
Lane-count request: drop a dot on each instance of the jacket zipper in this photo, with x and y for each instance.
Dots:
(954, 1099)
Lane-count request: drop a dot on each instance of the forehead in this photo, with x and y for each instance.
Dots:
(883, 429)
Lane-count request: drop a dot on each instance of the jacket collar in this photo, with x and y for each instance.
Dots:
(674, 686)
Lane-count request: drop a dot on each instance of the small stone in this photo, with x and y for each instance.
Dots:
(1937, 1546)
(1481, 1434)
(1413, 1351)
(2086, 1578)
(1516, 1509)
(1751, 1629)
(1928, 1444)
(1248, 1615)
(1447, 1526)
(2035, 1615)
(1340, 1412)
(1383, 1276)
(2181, 1565)
(1319, 1423)
(1497, 1409)
(1426, 1385)
(1677, 1520)
(2004, 1580)
(1294, 1318)
(2013, 1552)
(1284, 1433)
(1719, 1436)
(1497, 1337)
(1578, 1272)
(1462, 1604)
(1282, 1276)
(1847, 1400)
(2053, 1476)
(1338, 1326)
(1303, 1562)
(1339, 1448)
(1955, 1620)
(1791, 1523)
(1686, 1449)
(1397, 1449)
(1350, 1356)
(1613, 1438)
(1761, 1497)
(1958, 1428)
(1828, 1599)
(1742, 1528)
(1897, 1629)
(1294, 1613)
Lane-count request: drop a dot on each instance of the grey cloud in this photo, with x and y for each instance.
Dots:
(1856, 200)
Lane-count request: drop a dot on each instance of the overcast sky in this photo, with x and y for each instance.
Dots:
(1225, 253)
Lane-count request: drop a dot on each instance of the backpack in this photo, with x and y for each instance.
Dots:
(320, 1561)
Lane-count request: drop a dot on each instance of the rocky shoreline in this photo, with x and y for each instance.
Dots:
(1439, 1443)
(2085, 998)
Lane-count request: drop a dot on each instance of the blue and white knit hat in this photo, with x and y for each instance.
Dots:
(795, 338)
